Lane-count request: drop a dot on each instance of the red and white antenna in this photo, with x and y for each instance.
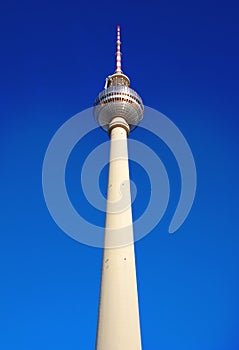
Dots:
(118, 52)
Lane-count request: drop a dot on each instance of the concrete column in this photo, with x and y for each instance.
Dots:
(118, 321)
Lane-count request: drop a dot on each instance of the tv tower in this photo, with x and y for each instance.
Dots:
(118, 109)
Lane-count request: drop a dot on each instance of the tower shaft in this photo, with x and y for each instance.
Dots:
(118, 321)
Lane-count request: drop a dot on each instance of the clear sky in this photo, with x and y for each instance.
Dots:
(182, 58)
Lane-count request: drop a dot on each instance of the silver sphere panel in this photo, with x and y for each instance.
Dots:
(118, 101)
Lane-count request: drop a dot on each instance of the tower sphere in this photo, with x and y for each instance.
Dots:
(118, 101)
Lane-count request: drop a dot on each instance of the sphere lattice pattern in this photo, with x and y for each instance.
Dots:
(118, 101)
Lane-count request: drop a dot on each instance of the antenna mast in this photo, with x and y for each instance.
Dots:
(118, 52)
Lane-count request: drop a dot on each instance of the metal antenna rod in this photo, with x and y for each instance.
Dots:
(118, 52)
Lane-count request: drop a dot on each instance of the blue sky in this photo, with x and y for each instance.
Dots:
(182, 58)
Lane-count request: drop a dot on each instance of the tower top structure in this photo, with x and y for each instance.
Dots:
(118, 99)
(118, 78)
